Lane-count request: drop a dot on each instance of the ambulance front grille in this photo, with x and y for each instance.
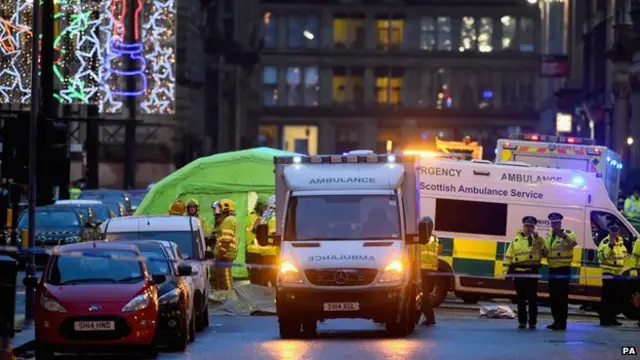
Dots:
(341, 277)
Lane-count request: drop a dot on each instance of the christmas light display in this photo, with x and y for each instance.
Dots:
(158, 33)
(15, 51)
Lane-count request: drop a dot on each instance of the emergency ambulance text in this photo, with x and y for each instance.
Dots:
(436, 171)
(526, 178)
(481, 191)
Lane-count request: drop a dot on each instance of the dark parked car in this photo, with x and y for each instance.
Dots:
(107, 194)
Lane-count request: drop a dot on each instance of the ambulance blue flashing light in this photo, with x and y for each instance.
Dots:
(578, 181)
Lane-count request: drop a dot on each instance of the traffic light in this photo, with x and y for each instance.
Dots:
(53, 160)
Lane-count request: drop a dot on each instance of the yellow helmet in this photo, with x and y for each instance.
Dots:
(227, 205)
(177, 208)
(193, 202)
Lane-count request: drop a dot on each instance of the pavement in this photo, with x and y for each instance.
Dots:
(459, 334)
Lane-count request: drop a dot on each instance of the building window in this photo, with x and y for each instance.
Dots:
(390, 32)
(388, 86)
(302, 31)
(485, 34)
(444, 33)
(525, 90)
(347, 139)
(270, 30)
(427, 33)
(443, 89)
(509, 90)
(468, 90)
(485, 90)
(427, 88)
(268, 135)
(527, 34)
(303, 88)
(468, 36)
(508, 32)
(270, 86)
(348, 85)
(302, 139)
(349, 31)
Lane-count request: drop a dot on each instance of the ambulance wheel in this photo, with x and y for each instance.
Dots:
(289, 327)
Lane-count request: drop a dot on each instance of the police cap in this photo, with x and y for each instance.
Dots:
(555, 217)
(614, 227)
(529, 220)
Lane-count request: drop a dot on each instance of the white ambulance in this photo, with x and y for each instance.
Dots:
(478, 207)
(349, 235)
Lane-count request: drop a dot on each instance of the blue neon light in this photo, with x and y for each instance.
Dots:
(118, 49)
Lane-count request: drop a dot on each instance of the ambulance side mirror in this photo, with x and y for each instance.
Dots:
(424, 231)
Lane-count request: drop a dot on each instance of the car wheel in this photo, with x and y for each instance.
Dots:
(197, 307)
(192, 327)
(181, 341)
(289, 327)
(404, 326)
(205, 314)
(43, 352)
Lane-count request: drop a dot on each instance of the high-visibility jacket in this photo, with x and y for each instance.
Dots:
(270, 250)
(559, 251)
(74, 193)
(251, 242)
(633, 260)
(632, 207)
(612, 259)
(226, 248)
(522, 256)
(429, 254)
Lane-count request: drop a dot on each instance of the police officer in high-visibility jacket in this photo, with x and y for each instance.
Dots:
(253, 250)
(612, 255)
(269, 253)
(226, 246)
(74, 192)
(632, 206)
(193, 209)
(522, 261)
(558, 247)
(428, 265)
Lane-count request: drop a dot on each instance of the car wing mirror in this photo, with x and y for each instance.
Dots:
(158, 279)
(185, 270)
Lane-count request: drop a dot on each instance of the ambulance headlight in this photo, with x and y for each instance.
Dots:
(289, 273)
(578, 181)
(393, 272)
(297, 159)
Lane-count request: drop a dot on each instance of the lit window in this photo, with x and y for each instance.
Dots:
(294, 79)
(527, 34)
(427, 33)
(348, 31)
(388, 84)
(311, 86)
(443, 95)
(390, 33)
(302, 31)
(508, 31)
(340, 32)
(270, 85)
(444, 33)
(485, 35)
(271, 30)
(468, 37)
(339, 84)
(348, 84)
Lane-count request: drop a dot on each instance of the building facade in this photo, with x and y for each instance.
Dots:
(386, 75)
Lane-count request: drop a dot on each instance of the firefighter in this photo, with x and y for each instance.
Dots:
(269, 253)
(177, 207)
(226, 246)
(253, 249)
(193, 210)
(428, 265)
(612, 255)
(522, 261)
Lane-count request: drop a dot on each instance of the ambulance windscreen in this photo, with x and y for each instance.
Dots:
(342, 217)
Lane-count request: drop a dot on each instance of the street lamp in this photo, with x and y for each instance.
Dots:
(629, 141)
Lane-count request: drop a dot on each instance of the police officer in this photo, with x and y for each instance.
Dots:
(522, 261)
(269, 253)
(74, 192)
(612, 255)
(558, 247)
(226, 246)
(632, 205)
(428, 265)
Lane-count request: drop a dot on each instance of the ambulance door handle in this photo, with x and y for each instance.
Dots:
(481, 173)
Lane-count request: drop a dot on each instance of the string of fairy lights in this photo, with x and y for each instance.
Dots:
(89, 56)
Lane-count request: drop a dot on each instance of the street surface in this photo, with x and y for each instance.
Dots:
(459, 334)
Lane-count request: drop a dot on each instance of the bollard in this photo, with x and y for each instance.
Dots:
(24, 239)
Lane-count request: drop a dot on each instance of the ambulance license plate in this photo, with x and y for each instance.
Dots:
(342, 306)
(94, 326)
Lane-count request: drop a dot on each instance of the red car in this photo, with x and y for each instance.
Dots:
(96, 297)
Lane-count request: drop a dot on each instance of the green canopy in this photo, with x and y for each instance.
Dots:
(240, 176)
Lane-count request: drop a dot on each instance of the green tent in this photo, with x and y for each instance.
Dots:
(240, 176)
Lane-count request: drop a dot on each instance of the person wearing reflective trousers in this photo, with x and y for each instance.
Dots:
(558, 248)
(522, 261)
(428, 265)
(226, 246)
(612, 255)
